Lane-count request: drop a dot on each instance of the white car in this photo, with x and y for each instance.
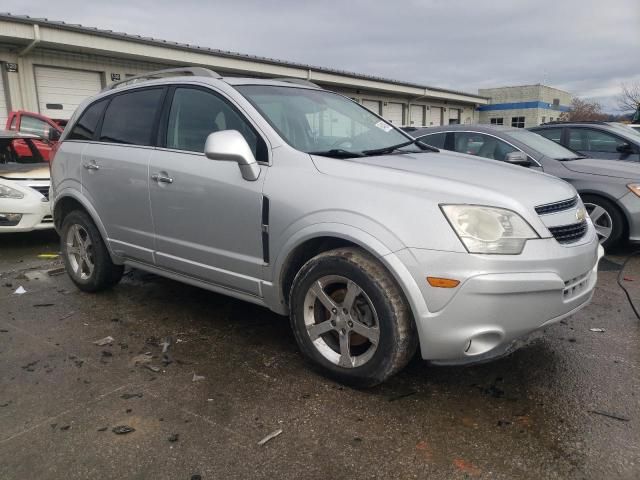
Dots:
(635, 126)
(24, 185)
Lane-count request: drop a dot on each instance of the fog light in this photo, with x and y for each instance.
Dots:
(10, 219)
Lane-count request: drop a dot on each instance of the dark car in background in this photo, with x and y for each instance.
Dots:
(609, 190)
(604, 140)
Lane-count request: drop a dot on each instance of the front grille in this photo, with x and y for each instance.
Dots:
(557, 206)
(41, 189)
(569, 233)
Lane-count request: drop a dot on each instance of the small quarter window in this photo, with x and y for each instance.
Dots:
(435, 139)
(85, 127)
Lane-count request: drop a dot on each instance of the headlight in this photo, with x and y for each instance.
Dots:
(635, 188)
(489, 229)
(8, 192)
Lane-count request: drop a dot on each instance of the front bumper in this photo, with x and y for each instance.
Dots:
(36, 213)
(500, 299)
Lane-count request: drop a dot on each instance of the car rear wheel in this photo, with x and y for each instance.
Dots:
(86, 257)
(350, 318)
(607, 219)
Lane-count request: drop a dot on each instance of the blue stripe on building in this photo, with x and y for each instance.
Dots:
(523, 105)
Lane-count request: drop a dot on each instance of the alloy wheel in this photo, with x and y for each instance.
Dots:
(601, 221)
(341, 321)
(79, 250)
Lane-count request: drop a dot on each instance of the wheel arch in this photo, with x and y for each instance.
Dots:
(614, 201)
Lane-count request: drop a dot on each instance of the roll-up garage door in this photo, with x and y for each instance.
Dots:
(373, 105)
(392, 112)
(4, 111)
(454, 116)
(435, 116)
(60, 90)
(417, 116)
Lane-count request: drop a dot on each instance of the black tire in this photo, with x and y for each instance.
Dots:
(104, 274)
(397, 341)
(618, 223)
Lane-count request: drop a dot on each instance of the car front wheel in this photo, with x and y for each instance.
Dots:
(350, 318)
(607, 220)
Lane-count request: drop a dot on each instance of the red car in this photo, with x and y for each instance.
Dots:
(46, 128)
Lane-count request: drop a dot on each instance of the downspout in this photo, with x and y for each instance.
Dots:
(34, 42)
(22, 53)
(426, 92)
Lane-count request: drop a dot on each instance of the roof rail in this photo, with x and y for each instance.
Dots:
(192, 71)
(299, 81)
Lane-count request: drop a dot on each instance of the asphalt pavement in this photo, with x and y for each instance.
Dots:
(567, 405)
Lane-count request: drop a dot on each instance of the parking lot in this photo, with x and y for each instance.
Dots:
(565, 406)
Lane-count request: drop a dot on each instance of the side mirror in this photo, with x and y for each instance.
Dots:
(624, 148)
(54, 135)
(518, 158)
(230, 146)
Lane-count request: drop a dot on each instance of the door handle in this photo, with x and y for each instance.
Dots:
(91, 165)
(156, 177)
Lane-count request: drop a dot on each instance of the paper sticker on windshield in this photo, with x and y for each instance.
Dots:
(384, 126)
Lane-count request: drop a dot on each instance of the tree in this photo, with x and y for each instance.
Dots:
(629, 99)
(582, 110)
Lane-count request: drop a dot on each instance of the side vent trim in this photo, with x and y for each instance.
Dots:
(265, 229)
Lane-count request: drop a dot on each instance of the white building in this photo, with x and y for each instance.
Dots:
(523, 106)
(50, 67)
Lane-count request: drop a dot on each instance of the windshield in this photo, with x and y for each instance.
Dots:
(626, 130)
(321, 122)
(547, 147)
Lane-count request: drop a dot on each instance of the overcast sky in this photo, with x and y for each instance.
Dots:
(585, 46)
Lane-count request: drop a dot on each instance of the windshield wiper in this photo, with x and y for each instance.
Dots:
(567, 159)
(390, 149)
(337, 153)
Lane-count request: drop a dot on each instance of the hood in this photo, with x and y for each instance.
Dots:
(453, 177)
(608, 168)
(30, 171)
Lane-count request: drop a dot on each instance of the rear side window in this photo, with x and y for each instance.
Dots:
(435, 139)
(130, 117)
(550, 133)
(482, 145)
(85, 127)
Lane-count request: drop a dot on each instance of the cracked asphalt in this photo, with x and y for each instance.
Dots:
(565, 406)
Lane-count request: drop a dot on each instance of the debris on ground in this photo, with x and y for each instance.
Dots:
(70, 314)
(271, 436)
(122, 429)
(141, 359)
(56, 271)
(174, 438)
(40, 305)
(20, 291)
(48, 256)
(196, 477)
(103, 429)
(598, 330)
(197, 378)
(127, 396)
(104, 341)
(153, 368)
(65, 428)
(107, 353)
(615, 416)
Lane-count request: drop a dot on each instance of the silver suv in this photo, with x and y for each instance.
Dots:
(283, 194)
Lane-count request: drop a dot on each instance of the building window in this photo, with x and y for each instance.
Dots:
(517, 122)
(497, 121)
(544, 119)
(551, 119)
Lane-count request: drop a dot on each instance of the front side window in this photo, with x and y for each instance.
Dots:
(85, 127)
(497, 121)
(321, 122)
(435, 139)
(130, 116)
(517, 122)
(554, 134)
(35, 126)
(481, 145)
(196, 113)
(590, 140)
